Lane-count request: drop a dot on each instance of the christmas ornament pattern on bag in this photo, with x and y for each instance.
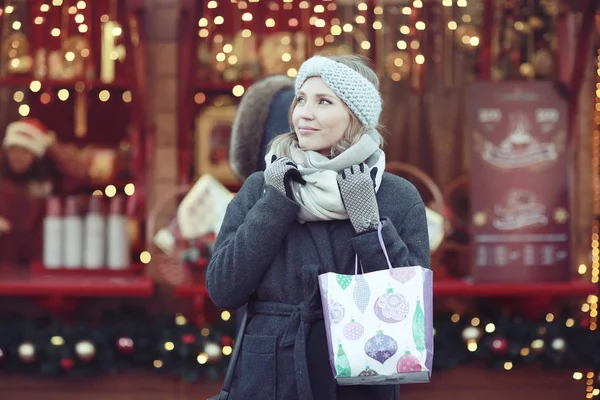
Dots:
(376, 326)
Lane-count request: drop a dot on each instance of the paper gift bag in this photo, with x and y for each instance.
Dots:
(379, 324)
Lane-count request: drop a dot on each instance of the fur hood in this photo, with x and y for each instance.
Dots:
(262, 114)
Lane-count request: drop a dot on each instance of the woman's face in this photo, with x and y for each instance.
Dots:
(320, 118)
(19, 159)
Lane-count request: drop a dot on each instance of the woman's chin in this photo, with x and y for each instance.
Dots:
(309, 147)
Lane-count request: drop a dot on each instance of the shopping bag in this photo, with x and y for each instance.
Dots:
(379, 324)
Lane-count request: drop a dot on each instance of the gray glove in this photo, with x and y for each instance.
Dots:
(280, 173)
(357, 186)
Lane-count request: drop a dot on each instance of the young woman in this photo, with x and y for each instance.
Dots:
(32, 167)
(317, 204)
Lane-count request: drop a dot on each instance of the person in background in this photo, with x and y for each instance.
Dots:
(261, 116)
(33, 166)
(319, 201)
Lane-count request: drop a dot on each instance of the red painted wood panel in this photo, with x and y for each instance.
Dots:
(465, 383)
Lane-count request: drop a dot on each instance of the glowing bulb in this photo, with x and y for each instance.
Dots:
(110, 191)
(18, 96)
(104, 95)
(145, 257)
(129, 189)
(24, 110)
(127, 96)
(238, 90)
(63, 94)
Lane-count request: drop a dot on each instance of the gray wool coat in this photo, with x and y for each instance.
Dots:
(265, 258)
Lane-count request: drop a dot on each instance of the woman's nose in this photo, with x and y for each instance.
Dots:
(307, 112)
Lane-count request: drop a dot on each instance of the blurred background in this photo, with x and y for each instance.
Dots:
(492, 109)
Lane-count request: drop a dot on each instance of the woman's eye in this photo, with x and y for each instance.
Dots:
(324, 101)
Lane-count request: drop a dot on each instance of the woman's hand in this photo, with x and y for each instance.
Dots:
(4, 225)
(357, 186)
(280, 173)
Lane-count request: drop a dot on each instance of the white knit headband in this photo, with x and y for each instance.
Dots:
(360, 95)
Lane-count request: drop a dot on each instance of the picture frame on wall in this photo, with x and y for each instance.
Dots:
(212, 138)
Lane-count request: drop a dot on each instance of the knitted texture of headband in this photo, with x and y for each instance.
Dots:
(360, 95)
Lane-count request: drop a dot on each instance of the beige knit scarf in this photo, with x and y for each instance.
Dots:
(320, 198)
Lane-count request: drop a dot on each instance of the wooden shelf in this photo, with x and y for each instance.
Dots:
(464, 288)
(25, 80)
(190, 291)
(209, 87)
(21, 282)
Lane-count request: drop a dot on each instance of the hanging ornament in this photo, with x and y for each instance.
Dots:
(398, 65)
(527, 70)
(344, 280)
(368, 372)
(559, 344)
(403, 275)
(467, 36)
(277, 43)
(85, 350)
(74, 50)
(1, 355)
(125, 345)
(342, 365)
(418, 327)
(353, 330)
(362, 293)
(188, 338)
(471, 333)
(336, 312)
(551, 7)
(111, 51)
(213, 351)
(543, 63)
(408, 363)
(26, 352)
(499, 346)
(68, 62)
(381, 347)
(15, 50)
(538, 346)
(66, 363)
(391, 307)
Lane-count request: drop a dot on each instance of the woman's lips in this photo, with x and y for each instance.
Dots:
(306, 130)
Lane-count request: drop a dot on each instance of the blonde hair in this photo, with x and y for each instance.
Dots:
(282, 144)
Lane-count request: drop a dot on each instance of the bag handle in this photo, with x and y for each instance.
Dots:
(379, 230)
(387, 257)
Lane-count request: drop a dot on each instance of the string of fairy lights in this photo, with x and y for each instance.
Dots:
(592, 381)
(325, 23)
(80, 15)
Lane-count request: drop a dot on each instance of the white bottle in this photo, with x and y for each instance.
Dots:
(117, 238)
(93, 255)
(73, 235)
(53, 234)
